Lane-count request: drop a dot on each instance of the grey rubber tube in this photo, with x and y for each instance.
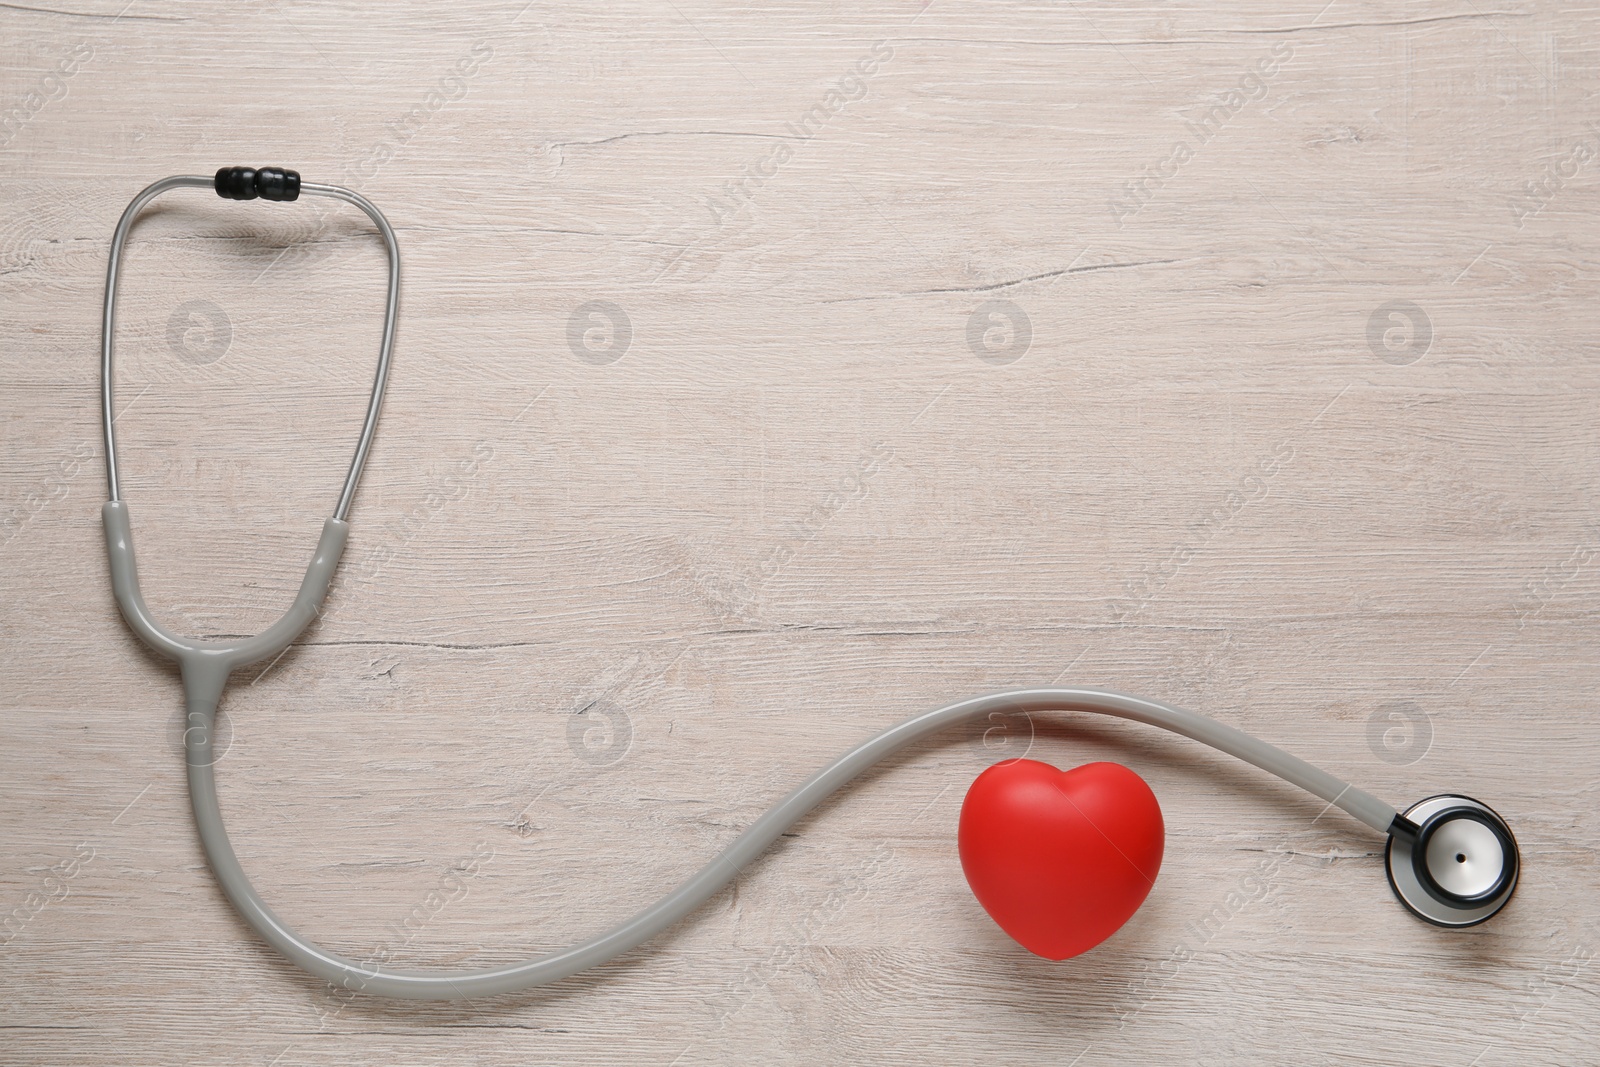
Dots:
(723, 868)
(206, 664)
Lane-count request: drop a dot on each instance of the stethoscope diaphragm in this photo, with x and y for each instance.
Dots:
(1452, 861)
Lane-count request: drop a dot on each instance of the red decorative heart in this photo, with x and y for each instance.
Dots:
(1060, 859)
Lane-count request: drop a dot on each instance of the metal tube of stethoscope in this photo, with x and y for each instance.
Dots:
(234, 183)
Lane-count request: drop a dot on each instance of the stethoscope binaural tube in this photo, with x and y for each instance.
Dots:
(1420, 853)
(244, 183)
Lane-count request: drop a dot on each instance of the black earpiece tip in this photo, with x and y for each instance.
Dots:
(275, 183)
(246, 183)
(236, 183)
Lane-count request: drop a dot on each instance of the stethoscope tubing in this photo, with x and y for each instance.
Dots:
(726, 865)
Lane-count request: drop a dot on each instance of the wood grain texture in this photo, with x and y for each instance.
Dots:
(812, 497)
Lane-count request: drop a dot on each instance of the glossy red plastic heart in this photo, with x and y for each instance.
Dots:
(1060, 859)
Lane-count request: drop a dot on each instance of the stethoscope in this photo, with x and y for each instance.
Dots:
(1451, 860)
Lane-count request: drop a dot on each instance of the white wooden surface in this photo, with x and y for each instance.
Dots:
(801, 507)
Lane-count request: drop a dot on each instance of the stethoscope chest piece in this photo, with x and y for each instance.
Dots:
(1455, 864)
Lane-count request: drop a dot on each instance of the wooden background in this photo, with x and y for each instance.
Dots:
(767, 374)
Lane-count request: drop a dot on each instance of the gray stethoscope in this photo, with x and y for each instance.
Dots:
(1451, 860)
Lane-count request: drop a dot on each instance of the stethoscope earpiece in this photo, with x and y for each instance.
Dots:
(1452, 861)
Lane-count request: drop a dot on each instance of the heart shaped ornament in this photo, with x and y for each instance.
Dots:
(1060, 859)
